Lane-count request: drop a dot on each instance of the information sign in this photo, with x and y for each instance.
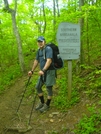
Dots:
(68, 38)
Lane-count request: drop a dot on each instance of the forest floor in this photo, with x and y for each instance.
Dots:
(51, 122)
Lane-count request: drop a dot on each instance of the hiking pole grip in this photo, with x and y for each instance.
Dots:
(24, 93)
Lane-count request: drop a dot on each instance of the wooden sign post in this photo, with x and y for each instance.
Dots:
(68, 38)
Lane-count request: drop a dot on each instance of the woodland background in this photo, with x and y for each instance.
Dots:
(22, 21)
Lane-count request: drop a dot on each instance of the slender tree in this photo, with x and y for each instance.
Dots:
(54, 13)
(44, 15)
(57, 4)
(16, 32)
(81, 3)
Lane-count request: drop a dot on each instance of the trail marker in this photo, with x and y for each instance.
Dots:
(68, 38)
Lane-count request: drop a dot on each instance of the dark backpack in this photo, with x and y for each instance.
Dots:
(57, 60)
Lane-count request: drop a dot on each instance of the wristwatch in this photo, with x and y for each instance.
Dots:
(43, 70)
(31, 71)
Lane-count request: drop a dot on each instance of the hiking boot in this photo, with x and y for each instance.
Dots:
(39, 106)
(44, 108)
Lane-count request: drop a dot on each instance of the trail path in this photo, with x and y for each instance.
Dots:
(41, 123)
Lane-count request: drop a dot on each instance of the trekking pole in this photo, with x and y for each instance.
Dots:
(32, 109)
(23, 93)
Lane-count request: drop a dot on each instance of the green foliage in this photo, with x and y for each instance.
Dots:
(61, 100)
(7, 77)
(93, 82)
(89, 124)
(31, 22)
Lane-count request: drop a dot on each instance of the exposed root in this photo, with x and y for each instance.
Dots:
(19, 129)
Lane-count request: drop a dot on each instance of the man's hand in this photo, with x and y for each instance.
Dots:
(30, 73)
(41, 72)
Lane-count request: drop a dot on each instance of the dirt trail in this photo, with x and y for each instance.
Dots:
(8, 101)
(46, 123)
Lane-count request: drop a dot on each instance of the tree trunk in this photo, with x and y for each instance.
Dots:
(44, 17)
(54, 13)
(16, 33)
(57, 8)
(88, 47)
(19, 43)
(81, 21)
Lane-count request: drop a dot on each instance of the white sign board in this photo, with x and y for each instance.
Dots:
(68, 38)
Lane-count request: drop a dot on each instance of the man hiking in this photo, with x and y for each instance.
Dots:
(47, 73)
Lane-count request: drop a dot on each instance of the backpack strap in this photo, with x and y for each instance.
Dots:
(44, 53)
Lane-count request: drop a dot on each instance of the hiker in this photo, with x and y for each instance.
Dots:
(46, 73)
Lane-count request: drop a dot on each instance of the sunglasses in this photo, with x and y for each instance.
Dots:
(40, 41)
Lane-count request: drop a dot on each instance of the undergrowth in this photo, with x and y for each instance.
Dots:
(90, 86)
(11, 73)
(61, 100)
(87, 82)
(8, 77)
(90, 124)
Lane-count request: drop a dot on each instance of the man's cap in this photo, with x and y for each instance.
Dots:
(40, 38)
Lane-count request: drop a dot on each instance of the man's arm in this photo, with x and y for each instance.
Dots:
(48, 63)
(35, 64)
(48, 56)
